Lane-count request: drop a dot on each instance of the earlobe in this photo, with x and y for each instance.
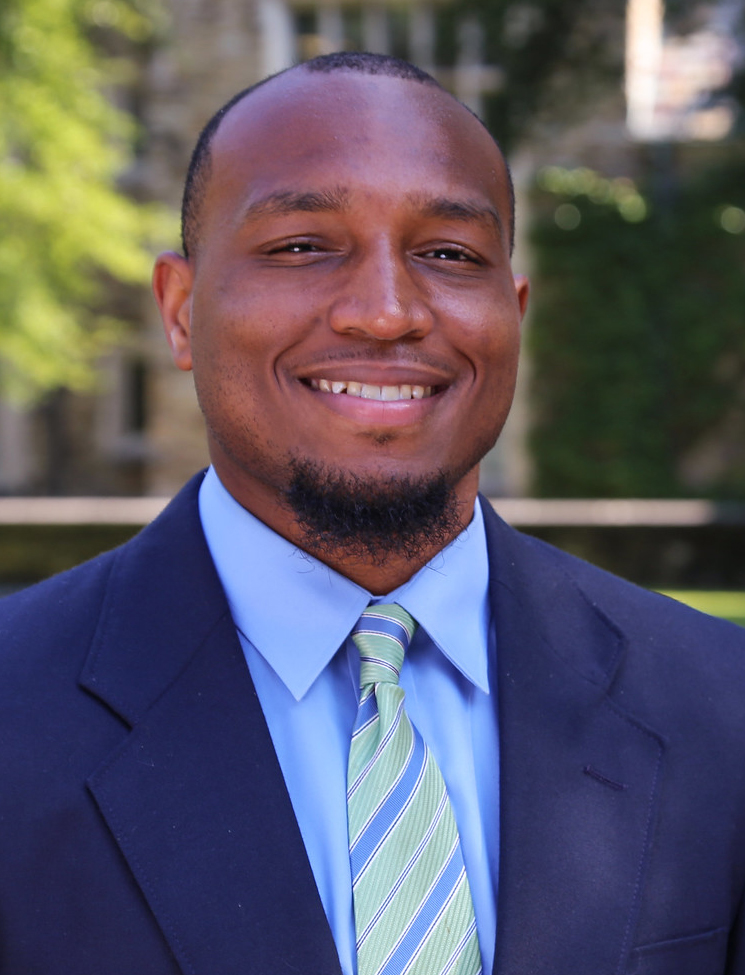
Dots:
(522, 287)
(173, 278)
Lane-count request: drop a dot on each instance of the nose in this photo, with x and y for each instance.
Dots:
(381, 299)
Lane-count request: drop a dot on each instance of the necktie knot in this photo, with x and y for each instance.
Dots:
(382, 635)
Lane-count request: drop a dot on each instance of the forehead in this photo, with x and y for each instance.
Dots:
(389, 135)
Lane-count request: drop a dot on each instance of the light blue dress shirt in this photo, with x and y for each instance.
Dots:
(294, 615)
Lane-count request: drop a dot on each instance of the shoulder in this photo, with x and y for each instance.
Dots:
(648, 646)
(639, 612)
(50, 625)
(527, 562)
(40, 622)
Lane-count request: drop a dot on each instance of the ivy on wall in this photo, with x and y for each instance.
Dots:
(637, 336)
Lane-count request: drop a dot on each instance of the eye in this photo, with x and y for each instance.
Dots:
(451, 254)
(295, 247)
(294, 252)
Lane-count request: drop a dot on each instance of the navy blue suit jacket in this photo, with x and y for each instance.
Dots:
(145, 827)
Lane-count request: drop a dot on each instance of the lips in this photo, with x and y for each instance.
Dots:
(389, 394)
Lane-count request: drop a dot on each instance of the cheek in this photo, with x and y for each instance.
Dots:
(492, 344)
(504, 347)
(254, 320)
(485, 314)
(495, 360)
(226, 372)
(230, 338)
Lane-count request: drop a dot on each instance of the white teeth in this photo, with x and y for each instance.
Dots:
(370, 391)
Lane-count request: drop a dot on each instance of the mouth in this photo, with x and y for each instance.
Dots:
(389, 394)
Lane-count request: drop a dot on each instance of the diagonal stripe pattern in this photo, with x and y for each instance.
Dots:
(412, 903)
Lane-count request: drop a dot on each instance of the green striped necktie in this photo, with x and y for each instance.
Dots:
(412, 903)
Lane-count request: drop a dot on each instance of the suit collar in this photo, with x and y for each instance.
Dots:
(579, 776)
(162, 592)
(529, 580)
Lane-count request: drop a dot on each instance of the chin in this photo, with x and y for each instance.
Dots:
(371, 514)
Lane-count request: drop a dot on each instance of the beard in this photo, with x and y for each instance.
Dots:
(371, 520)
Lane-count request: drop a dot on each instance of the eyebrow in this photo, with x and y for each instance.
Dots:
(289, 201)
(462, 210)
(336, 200)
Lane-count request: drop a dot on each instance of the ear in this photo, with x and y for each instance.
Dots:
(522, 287)
(173, 278)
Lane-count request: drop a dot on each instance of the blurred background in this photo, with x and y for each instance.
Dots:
(624, 127)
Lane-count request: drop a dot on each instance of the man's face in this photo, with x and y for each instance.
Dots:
(351, 301)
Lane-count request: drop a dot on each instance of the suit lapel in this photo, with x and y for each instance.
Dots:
(578, 775)
(194, 796)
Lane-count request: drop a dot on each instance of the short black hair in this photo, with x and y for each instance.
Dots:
(197, 175)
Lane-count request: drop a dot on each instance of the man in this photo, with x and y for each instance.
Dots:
(177, 715)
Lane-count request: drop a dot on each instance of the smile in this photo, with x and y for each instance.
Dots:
(370, 391)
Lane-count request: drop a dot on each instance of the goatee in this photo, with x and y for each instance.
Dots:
(372, 520)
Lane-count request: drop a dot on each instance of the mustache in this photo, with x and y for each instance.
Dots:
(393, 354)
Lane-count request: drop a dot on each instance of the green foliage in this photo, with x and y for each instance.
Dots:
(729, 605)
(555, 58)
(636, 337)
(68, 235)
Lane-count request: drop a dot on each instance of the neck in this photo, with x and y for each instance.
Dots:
(379, 562)
(386, 573)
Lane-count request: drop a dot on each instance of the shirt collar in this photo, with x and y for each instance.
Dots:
(449, 597)
(276, 591)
